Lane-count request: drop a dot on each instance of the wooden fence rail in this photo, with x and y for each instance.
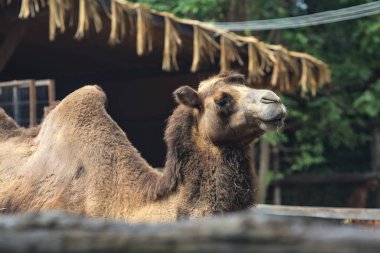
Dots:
(31, 85)
(320, 212)
(339, 178)
(240, 232)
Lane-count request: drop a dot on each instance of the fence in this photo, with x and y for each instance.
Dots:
(24, 100)
(262, 229)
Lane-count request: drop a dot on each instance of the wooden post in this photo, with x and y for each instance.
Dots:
(51, 91)
(276, 168)
(332, 213)
(375, 157)
(253, 166)
(16, 105)
(32, 104)
(336, 178)
(263, 170)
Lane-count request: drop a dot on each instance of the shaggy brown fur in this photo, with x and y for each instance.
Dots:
(358, 198)
(82, 162)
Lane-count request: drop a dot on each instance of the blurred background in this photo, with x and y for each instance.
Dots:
(328, 153)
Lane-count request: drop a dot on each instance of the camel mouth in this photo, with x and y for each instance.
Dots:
(273, 124)
(274, 120)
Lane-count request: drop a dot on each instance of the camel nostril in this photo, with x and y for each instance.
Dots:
(270, 99)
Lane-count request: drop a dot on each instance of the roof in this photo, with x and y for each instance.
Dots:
(265, 64)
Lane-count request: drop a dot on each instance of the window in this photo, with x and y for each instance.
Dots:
(24, 100)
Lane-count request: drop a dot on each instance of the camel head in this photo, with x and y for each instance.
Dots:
(227, 111)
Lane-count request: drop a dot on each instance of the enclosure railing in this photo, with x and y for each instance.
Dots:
(320, 212)
(32, 86)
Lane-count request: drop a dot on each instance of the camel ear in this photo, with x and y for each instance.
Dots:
(235, 78)
(187, 96)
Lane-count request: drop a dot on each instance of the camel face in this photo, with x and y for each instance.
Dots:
(229, 111)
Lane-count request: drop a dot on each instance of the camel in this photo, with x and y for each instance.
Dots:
(80, 161)
(358, 198)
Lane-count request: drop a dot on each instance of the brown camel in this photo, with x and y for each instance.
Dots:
(82, 162)
(358, 198)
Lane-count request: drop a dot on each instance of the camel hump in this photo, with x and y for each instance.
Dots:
(81, 115)
(49, 108)
(88, 97)
(88, 101)
(7, 125)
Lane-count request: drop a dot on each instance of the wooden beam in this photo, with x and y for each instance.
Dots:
(15, 105)
(319, 212)
(243, 232)
(340, 178)
(9, 45)
(51, 91)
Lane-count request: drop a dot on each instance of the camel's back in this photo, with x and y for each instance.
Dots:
(15, 149)
(80, 161)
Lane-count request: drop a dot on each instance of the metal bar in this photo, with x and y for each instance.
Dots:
(319, 212)
(32, 104)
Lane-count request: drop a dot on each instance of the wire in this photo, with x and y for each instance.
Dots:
(325, 17)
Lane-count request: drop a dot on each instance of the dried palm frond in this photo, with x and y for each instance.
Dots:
(143, 23)
(267, 64)
(284, 67)
(29, 8)
(118, 23)
(57, 16)
(313, 72)
(88, 9)
(228, 53)
(260, 60)
(144, 37)
(171, 44)
(203, 44)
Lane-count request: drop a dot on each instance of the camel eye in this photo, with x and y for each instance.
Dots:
(222, 102)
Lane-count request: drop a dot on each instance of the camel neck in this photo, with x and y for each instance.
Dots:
(212, 178)
(221, 181)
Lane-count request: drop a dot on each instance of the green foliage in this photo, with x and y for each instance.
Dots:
(272, 176)
(209, 10)
(335, 123)
(368, 102)
(276, 138)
